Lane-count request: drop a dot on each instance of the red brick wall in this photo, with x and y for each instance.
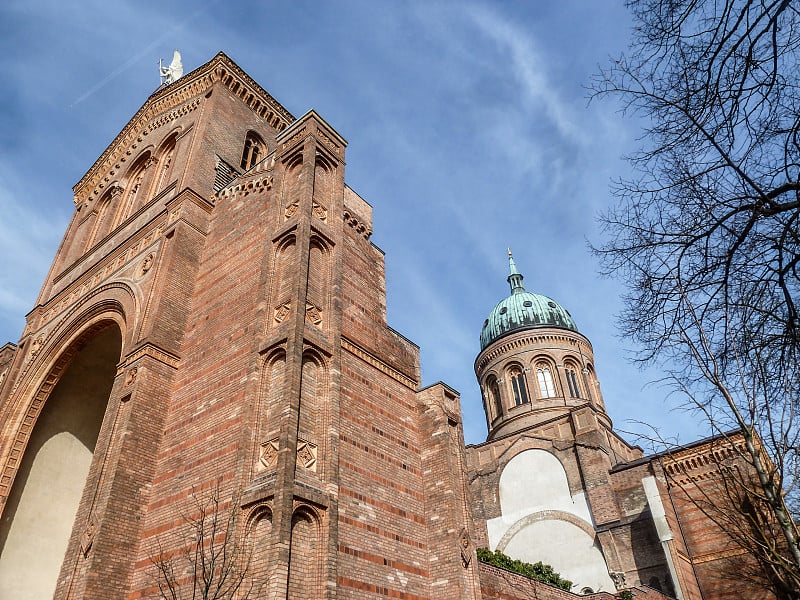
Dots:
(498, 584)
(382, 525)
(722, 568)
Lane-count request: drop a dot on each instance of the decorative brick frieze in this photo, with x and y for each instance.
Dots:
(73, 282)
(364, 355)
(254, 96)
(518, 342)
(151, 351)
(247, 186)
(173, 115)
(702, 463)
(171, 102)
(362, 229)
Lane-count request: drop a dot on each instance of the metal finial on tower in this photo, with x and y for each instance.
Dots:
(515, 277)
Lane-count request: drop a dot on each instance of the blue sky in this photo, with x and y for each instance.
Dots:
(468, 126)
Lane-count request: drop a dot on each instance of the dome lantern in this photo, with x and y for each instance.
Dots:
(515, 277)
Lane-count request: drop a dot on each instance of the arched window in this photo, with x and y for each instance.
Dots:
(545, 379)
(254, 150)
(133, 195)
(592, 386)
(164, 163)
(493, 396)
(572, 381)
(518, 385)
(104, 206)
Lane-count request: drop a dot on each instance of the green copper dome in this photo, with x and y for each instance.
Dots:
(523, 310)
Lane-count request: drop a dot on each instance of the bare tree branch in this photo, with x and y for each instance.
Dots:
(215, 560)
(706, 233)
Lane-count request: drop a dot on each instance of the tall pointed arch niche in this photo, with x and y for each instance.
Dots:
(41, 509)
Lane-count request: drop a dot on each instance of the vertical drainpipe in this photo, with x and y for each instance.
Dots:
(662, 527)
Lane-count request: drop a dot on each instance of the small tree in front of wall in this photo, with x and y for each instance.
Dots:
(214, 563)
(536, 571)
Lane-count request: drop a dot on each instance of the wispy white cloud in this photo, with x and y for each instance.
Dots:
(169, 32)
(538, 93)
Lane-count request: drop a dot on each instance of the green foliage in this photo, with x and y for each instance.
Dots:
(539, 571)
(626, 595)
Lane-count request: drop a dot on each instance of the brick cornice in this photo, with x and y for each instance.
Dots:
(152, 351)
(361, 228)
(702, 462)
(177, 99)
(368, 357)
(528, 340)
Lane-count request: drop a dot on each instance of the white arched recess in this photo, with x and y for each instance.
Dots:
(542, 521)
(40, 512)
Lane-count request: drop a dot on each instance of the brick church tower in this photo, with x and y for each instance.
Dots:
(214, 322)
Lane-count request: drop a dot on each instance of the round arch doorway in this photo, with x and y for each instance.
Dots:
(39, 515)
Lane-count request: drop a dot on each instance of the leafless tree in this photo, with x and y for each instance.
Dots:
(706, 232)
(214, 562)
(741, 487)
(727, 491)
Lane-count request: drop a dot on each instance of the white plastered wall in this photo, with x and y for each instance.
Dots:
(38, 535)
(533, 486)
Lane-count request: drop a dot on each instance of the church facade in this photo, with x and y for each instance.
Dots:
(214, 325)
